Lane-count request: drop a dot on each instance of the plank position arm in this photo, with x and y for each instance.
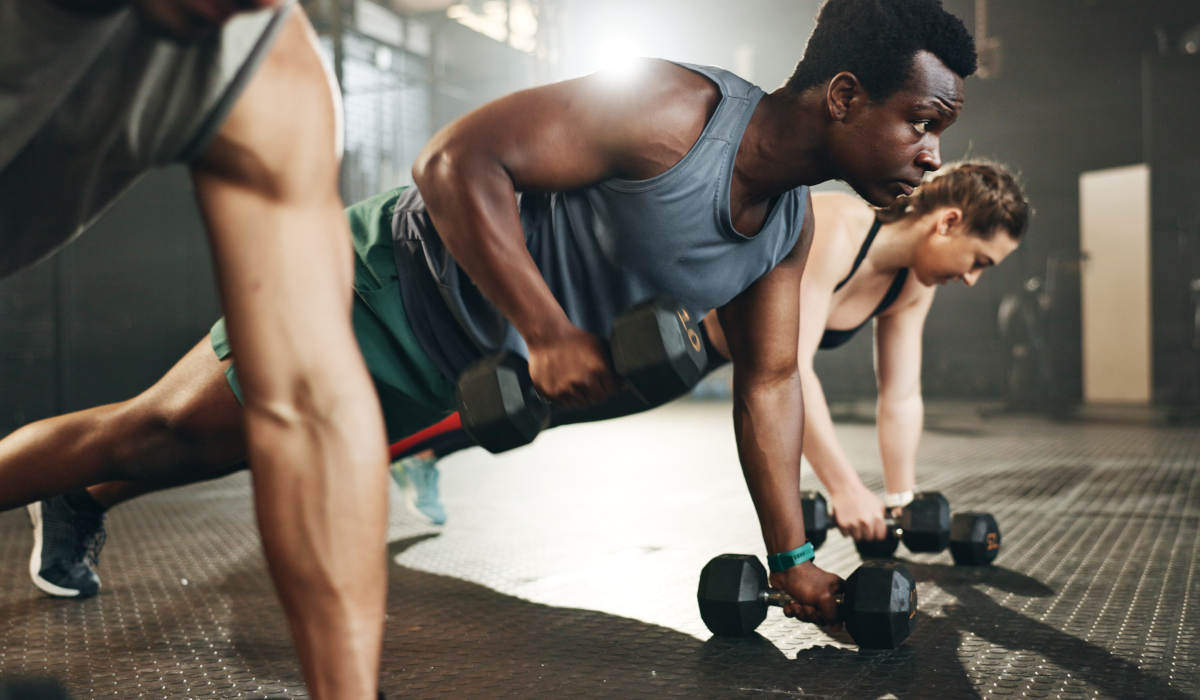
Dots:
(267, 188)
(761, 327)
(553, 138)
(900, 411)
(859, 512)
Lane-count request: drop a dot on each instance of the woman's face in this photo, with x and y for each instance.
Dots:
(950, 252)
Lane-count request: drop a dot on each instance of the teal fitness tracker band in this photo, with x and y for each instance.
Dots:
(785, 561)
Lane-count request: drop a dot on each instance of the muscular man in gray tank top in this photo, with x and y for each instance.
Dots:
(826, 123)
(680, 178)
(95, 92)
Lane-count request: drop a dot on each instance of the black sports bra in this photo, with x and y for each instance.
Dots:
(833, 338)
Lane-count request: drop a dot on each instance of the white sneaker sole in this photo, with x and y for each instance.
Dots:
(35, 560)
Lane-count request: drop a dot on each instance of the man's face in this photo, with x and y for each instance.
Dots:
(190, 19)
(882, 150)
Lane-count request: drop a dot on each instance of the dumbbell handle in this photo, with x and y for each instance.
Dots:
(892, 525)
(773, 596)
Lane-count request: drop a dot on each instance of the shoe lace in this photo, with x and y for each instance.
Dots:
(89, 537)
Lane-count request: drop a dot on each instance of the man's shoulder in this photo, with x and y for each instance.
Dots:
(671, 82)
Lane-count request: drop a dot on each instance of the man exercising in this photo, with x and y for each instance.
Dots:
(865, 264)
(95, 92)
(685, 180)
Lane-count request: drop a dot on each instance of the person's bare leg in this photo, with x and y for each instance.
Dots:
(114, 493)
(187, 427)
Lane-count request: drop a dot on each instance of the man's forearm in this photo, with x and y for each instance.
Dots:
(899, 423)
(765, 419)
(821, 445)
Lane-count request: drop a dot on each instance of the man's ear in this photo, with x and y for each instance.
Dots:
(844, 95)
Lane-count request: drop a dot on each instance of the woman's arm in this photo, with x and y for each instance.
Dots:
(900, 412)
(859, 512)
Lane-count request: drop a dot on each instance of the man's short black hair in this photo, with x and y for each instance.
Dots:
(877, 40)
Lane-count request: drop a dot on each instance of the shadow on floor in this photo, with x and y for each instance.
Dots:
(450, 638)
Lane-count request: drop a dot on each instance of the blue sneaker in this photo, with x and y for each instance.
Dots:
(66, 549)
(418, 479)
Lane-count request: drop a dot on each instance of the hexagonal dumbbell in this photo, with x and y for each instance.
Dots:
(925, 522)
(974, 539)
(878, 603)
(924, 525)
(656, 350)
(817, 519)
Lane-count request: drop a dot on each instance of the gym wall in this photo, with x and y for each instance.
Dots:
(108, 315)
(103, 319)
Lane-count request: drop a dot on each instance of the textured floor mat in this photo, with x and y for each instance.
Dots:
(569, 569)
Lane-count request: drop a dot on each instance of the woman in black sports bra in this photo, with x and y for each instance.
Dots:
(885, 265)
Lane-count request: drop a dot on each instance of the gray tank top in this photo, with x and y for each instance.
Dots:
(604, 247)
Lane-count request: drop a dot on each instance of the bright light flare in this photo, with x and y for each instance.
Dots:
(617, 59)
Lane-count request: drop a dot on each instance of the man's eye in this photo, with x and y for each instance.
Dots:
(922, 127)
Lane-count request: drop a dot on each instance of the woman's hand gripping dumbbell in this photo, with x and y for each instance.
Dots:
(924, 525)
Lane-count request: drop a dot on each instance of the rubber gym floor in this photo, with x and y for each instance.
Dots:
(569, 569)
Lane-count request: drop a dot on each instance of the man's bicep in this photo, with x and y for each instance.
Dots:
(570, 134)
(541, 138)
(762, 324)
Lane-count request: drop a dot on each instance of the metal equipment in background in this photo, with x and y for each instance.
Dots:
(1027, 322)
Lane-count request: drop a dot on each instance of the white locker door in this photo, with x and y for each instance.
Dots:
(1115, 239)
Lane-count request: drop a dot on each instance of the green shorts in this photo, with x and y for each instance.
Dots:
(412, 391)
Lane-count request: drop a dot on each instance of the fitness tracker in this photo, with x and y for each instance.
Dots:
(786, 560)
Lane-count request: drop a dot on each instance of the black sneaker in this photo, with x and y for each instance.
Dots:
(66, 548)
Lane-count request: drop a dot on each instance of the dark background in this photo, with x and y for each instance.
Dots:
(1086, 84)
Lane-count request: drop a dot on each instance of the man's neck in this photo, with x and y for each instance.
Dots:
(783, 146)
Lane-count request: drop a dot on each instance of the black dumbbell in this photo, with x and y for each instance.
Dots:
(656, 350)
(974, 539)
(878, 603)
(924, 525)
(817, 520)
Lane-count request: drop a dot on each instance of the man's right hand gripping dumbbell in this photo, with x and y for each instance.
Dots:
(655, 349)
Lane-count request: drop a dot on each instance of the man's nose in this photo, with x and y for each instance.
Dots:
(930, 158)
